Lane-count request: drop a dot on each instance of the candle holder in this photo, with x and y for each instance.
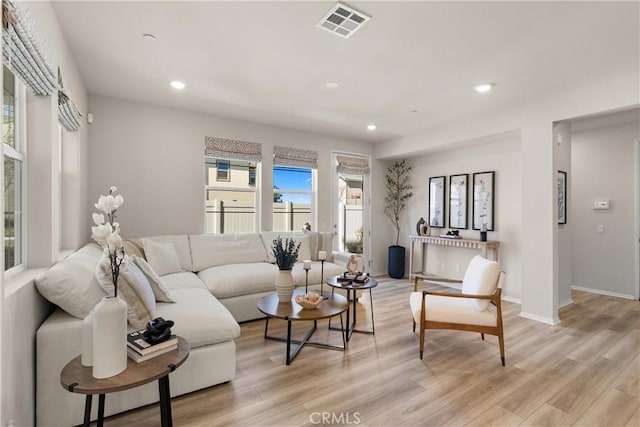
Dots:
(306, 280)
(324, 296)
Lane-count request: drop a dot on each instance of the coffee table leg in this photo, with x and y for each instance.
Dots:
(373, 325)
(165, 402)
(87, 410)
(100, 410)
(288, 341)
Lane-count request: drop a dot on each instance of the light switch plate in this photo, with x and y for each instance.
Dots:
(601, 204)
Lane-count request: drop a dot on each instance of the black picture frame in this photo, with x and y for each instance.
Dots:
(437, 208)
(458, 201)
(561, 205)
(484, 200)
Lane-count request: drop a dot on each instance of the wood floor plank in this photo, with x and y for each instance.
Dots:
(583, 371)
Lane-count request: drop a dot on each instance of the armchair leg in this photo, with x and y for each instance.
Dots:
(414, 326)
(501, 340)
(482, 335)
(421, 340)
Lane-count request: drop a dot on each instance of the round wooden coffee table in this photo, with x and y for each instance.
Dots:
(292, 311)
(79, 379)
(351, 286)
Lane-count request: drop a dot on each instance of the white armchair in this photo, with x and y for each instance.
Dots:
(468, 311)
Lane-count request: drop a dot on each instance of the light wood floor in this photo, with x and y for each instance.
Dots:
(583, 372)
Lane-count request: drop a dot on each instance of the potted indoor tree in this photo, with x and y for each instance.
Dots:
(398, 191)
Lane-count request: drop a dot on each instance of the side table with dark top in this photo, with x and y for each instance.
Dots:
(352, 286)
(79, 379)
(292, 311)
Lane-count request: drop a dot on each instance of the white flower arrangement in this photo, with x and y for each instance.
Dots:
(107, 233)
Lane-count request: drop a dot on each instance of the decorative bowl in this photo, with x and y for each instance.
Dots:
(309, 301)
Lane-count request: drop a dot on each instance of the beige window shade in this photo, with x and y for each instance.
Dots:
(353, 165)
(287, 156)
(230, 149)
(68, 114)
(24, 51)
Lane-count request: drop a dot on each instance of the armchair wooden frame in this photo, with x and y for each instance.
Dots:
(430, 324)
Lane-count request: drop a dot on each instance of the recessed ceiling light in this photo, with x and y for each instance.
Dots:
(332, 85)
(177, 84)
(371, 127)
(484, 87)
(149, 37)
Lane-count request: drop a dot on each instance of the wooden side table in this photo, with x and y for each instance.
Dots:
(79, 379)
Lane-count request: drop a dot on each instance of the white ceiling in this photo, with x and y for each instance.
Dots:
(267, 62)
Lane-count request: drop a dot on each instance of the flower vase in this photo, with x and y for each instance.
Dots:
(109, 337)
(87, 340)
(284, 286)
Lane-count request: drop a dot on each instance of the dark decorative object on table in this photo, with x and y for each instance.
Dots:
(419, 226)
(158, 330)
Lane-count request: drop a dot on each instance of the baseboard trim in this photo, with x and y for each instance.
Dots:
(540, 319)
(607, 293)
(565, 303)
(512, 299)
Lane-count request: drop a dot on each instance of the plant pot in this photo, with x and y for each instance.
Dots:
(285, 286)
(109, 337)
(395, 261)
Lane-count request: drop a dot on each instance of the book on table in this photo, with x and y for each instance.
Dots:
(137, 342)
(138, 358)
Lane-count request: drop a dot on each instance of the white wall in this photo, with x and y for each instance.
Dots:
(156, 158)
(602, 165)
(562, 140)
(501, 154)
(22, 309)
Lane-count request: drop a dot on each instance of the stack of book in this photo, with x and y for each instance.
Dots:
(139, 349)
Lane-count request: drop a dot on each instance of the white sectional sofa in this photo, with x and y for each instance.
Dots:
(218, 283)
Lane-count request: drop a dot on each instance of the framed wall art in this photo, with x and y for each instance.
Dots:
(483, 201)
(562, 197)
(458, 186)
(436, 201)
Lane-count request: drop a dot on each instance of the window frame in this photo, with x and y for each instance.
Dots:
(18, 153)
(228, 170)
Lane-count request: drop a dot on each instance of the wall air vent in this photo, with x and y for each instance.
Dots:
(343, 20)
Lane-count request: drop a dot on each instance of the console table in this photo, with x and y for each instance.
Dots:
(484, 247)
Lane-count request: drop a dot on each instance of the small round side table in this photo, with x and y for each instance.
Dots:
(350, 286)
(79, 379)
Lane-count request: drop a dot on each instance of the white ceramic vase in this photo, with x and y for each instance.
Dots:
(87, 340)
(284, 286)
(109, 337)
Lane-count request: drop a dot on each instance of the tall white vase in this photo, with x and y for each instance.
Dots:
(285, 286)
(87, 340)
(109, 337)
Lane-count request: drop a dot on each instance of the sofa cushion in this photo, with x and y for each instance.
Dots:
(305, 248)
(71, 284)
(183, 248)
(320, 241)
(451, 310)
(162, 257)
(211, 250)
(159, 289)
(135, 290)
(481, 278)
(239, 279)
(183, 280)
(133, 247)
(199, 317)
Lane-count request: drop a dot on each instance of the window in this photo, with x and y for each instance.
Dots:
(252, 176)
(13, 173)
(293, 197)
(223, 172)
(230, 205)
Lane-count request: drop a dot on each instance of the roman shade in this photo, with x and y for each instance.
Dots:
(353, 165)
(68, 114)
(24, 52)
(230, 149)
(287, 156)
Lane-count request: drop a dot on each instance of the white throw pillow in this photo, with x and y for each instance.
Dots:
(305, 243)
(481, 278)
(159, 288)
(133, 288)
(162, 257)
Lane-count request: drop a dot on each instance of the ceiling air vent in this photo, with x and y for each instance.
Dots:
(343, 20)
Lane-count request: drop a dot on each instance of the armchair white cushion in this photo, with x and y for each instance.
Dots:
(451, 310)
(480, 278)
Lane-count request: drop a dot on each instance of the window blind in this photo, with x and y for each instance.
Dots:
(353, 165)
(230, 149)
(287, 156)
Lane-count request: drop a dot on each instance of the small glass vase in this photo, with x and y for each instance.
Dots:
(285, 286)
